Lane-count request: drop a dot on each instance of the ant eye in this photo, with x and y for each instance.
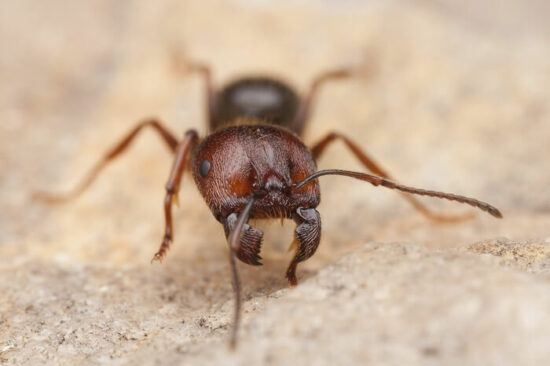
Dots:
(204, 168)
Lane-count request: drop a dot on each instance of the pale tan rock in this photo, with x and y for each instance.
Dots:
(459, 103)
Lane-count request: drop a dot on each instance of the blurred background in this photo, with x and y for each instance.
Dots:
(458, 103)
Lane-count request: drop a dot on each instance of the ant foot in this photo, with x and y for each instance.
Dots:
(291, 274)
(159, 256)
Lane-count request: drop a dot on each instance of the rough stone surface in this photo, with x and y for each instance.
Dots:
(459, 102)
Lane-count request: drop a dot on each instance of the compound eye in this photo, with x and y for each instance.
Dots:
(204, 168)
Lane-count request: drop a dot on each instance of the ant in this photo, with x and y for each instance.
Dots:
(253, 165)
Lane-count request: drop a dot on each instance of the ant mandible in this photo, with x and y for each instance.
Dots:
(253, 165)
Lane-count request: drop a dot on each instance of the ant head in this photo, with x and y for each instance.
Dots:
(222, 170)
(234, 164)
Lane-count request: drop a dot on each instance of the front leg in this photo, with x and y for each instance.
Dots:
(172, 186)
(250, 243)
(308, 235)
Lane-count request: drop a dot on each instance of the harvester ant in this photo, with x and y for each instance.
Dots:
(253, 165)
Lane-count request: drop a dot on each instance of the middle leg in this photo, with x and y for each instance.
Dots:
(371, 165)
(119, 148)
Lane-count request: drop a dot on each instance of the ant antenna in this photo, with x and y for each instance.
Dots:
(234, 245)
(377, 181)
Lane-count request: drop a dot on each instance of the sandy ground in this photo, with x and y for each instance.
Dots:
(459, 103)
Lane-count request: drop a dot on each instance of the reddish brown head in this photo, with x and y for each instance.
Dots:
(236, 163)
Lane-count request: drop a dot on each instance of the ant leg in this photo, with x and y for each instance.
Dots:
(307, 237)
(250, 243)
(185, 66)
(172, 186)
(304, 110)
(115, 151)
(369, 163)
